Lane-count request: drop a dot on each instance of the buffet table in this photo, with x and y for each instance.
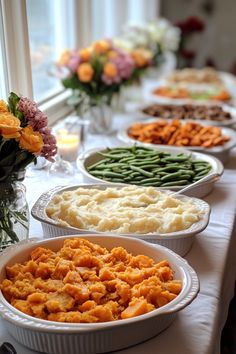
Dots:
(196, 329)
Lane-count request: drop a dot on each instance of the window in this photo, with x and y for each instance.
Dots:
(33, 34)
(3, 81)
(51, 29)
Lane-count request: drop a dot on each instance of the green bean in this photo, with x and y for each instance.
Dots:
(117, 180)
(145, 166)
(106, 174)
(202, 173)
(126, 159)
(149, 184)
(138, 178)
(176, 159)
(185, 176)
(95, 164)
(134, 174)
(143, 172)
(188, 172)
(114, 157)
(167, 169)
(199, 161)
(175, 183)
(199, 169)
(171, 176)
(152, 179)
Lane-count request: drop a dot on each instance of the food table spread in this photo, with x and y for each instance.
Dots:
(196, 329)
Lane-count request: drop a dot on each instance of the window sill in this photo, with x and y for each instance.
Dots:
(57, 107)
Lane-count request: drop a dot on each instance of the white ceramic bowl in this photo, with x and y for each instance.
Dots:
(220, 152)
(60, 338)
(92, 156)
(178, 241)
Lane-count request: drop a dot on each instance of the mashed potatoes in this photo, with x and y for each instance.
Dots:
(127, 210)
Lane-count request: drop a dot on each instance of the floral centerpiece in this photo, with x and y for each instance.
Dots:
(95, 74)
(24, 135)
(158, 37)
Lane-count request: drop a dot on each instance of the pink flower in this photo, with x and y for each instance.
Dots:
(74, 61)
(39, 122)
(50, 147)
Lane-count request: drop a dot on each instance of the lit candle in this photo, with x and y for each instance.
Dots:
(67, 144)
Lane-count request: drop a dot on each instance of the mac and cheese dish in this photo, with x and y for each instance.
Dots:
(86, 283)
(132, 209)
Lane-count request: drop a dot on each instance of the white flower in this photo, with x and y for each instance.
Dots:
(148, 35)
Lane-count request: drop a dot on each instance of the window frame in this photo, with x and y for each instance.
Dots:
(16, 56)
(17, 53)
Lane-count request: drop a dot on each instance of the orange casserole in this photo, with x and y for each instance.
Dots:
(86, 283)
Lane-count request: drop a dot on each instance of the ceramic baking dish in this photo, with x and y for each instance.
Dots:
(201, 190)
(220, 152)
(179, 241)
(60, 338)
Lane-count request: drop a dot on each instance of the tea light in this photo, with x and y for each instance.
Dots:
(68, 145)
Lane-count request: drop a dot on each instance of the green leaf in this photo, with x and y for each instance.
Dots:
(13, 100)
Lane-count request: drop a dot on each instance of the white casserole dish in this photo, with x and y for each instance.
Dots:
(92, 156)
(60, 338)
(220, 152)
(178, 241)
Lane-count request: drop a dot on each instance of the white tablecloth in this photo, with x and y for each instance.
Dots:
(196, 330)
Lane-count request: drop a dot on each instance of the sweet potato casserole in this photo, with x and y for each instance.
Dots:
(86, 283)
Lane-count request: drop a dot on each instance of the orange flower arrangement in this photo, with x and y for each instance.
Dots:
(97, 71)
(24, 135)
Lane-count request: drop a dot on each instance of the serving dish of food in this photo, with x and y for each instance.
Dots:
(186, 93)
(140, 212)
(191, 135)
(223, 115)
(52, 315)
(196, 76)
(152, 161)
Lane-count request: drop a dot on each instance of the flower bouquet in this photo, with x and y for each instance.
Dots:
(95, 74)
(159, 38)
(24, 135)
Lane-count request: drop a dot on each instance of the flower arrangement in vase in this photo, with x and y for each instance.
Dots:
(95, 74)
(24, 135)
(158, 38)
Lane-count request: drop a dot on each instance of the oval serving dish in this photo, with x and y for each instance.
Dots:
(227, 123)
(220, 152)
(105, 337)
(178, 241)
(93, 156)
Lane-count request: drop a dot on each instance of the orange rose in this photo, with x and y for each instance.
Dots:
(85, 54)
(112, 54)
(9, 126)
(3, 107)
(101, 47)
(64, 58)
(85, 72)
(141, 57)
(30, 140)
(110, 70)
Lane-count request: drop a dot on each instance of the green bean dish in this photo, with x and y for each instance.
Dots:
(147, 167)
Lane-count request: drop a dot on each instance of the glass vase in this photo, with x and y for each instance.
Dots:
(14, 213)
(100, 118)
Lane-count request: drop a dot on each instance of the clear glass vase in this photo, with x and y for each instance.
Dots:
(14, 213)
(100, 118)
